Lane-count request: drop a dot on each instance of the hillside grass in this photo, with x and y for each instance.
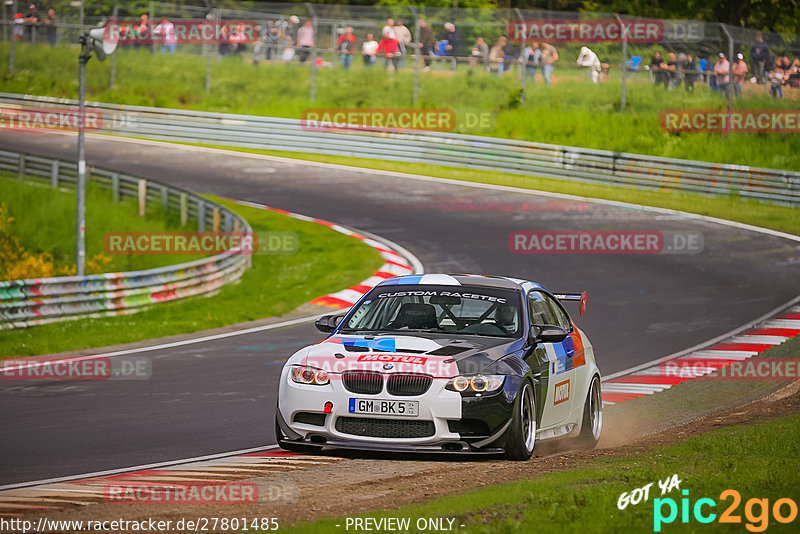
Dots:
(571, 112)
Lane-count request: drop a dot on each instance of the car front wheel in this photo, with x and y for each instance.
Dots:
(522, 432)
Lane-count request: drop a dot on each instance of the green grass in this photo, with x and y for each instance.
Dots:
(584, 499)
(44, 221)
(274, 285)
(782, 218)
(570, 112)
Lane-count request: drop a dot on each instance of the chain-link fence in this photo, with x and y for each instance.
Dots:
(531, 45)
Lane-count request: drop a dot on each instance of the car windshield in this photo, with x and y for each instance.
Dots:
(451, 309)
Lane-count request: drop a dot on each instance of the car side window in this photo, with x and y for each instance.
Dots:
(540, 311)
(561, 317)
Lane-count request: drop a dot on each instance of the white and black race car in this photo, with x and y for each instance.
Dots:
(444, 363)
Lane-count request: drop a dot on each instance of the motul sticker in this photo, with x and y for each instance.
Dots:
(392, 358)
(561, 392)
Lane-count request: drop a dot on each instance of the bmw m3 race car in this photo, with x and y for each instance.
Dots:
(444, 363)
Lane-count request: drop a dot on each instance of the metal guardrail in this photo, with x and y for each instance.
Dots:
(455, 150)
(32, 302)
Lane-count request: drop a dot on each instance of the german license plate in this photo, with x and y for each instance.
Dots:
(384, 407)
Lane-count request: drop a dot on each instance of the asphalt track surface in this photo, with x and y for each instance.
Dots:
(220, 395)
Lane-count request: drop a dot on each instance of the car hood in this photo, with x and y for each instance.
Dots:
(424, 353)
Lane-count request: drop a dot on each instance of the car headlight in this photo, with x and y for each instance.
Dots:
(476, 383)
(303, 374)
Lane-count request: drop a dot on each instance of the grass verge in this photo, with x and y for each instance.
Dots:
(571, 112)
(44, 223)
(274, 285)
(781, 218)
(585, 499)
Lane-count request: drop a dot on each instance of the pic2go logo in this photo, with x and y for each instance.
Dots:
(756, 511)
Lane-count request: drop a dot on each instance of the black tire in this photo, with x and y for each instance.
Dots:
(521, 436)
(592, 425)
(291, 446)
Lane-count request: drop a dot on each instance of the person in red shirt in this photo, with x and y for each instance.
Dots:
(390, 48)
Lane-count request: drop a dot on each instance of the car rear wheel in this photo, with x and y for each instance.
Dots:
(592, 425)
(522, 432)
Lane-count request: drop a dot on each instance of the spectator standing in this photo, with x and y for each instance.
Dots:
(589, 60)
(503, 63)
(533, 60)
(390, 48)
(19, 28)
(452, 42)
(775, 82)
(549, 58)
(166, 30)
(496, 57)
(739, 75)
(657, 67)
(31, 20)
(368, 50)
(51, 23)
(722, 72)
(305, 40)
(671, 67)
(426, 42)
(287, 54)
(225, 46)
(388, 27)
(239, 39)
(291, 28)
(759, 55)
(689, 73)
(345, 47)
(403, 36)
(141, 31)
(267, 41)
(481, 52)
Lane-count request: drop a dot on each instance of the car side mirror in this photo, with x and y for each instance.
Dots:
(328, 323)
(548, 334)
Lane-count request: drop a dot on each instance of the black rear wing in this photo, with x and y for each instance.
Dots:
(581, 297)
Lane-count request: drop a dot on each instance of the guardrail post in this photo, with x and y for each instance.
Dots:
(165, 197)
(236, 226)
(216, 220)
(142, 197)
(54, 174)
(201, 216)
(115, 187)
(184, 209)
(21, 168)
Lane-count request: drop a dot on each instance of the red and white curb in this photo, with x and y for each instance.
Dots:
(396, 262)
(57, 495)
(663, 375)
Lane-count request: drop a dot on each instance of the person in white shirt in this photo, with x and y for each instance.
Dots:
(589, 59)
(368, 50)
(169, 40)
